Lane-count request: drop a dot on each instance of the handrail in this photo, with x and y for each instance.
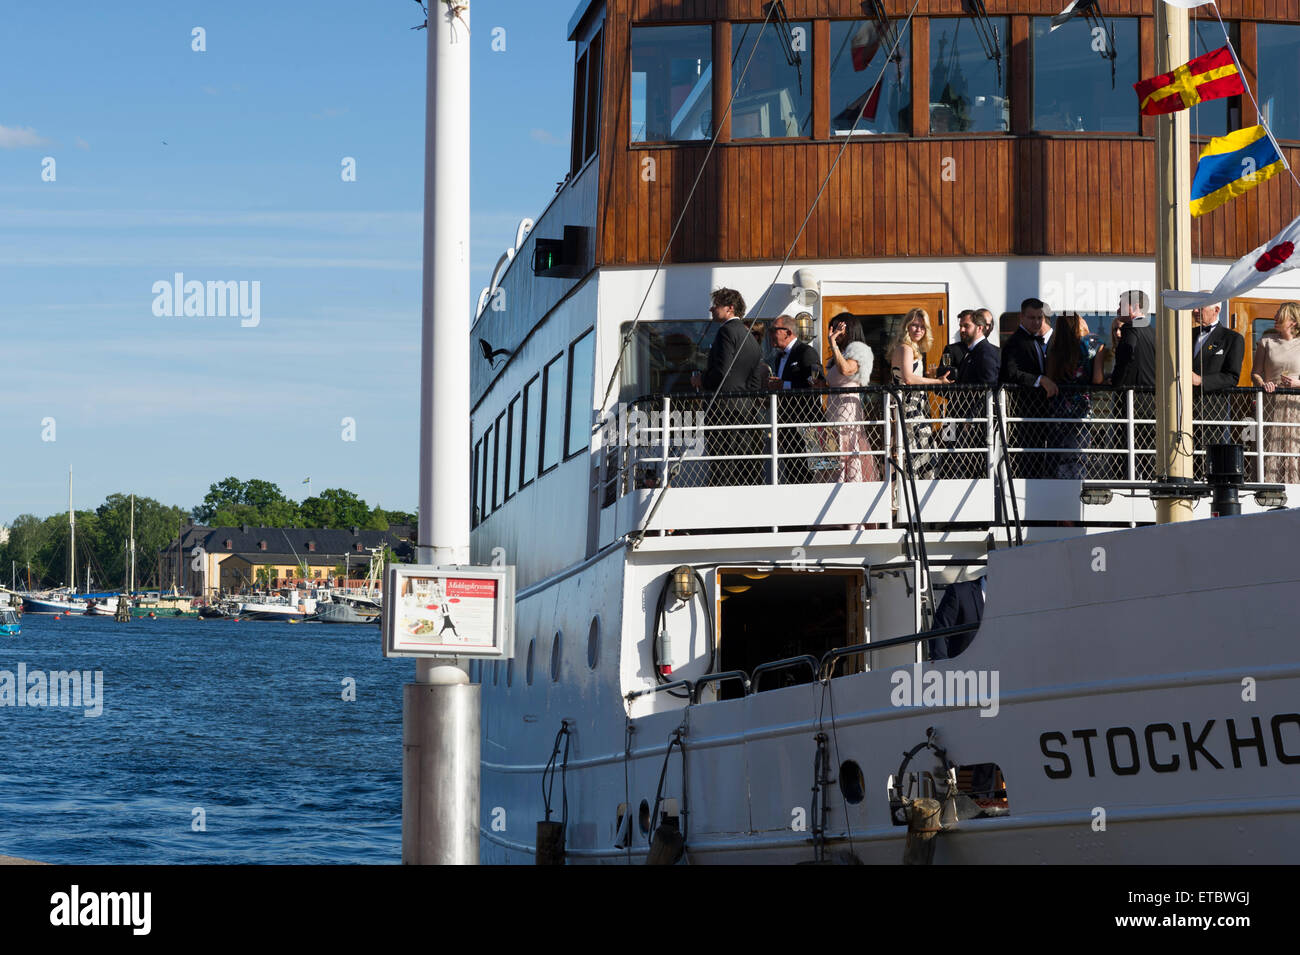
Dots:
(831, 657)
(700, 684)
(675, 684)
(807, 659)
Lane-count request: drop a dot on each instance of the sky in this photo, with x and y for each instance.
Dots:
(227, 164)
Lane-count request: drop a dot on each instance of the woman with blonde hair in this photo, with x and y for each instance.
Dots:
(907, 354)
(1277, 365)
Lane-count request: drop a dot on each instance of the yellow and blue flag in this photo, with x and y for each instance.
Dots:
(1231, 166)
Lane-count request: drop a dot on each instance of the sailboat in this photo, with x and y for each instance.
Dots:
(724, 665)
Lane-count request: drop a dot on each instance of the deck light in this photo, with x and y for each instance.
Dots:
(807, 288)
(1096, 495)
(683, 583)
(805, 327)
(1270, 498)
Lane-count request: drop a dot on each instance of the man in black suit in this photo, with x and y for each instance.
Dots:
(962, 603)
(734, 365)
(1217, 354)
(1135, 367)
(977, 364)
(1024, 360)
(1135, 355)
(954, 352)
(794, 366)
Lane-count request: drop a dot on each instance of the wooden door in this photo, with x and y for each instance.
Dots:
(1251, 318)
(880, 317)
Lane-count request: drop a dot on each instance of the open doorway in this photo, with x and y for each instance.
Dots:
(880, 317)
(770, 615)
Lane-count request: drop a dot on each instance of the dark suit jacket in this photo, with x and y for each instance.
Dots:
(962, 603)
(1219, 360)
(801, 366)
(979, 366)
(1135, 358)
(1020, 360)
(734, 341)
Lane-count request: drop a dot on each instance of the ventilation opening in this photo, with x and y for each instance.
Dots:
(768, 616)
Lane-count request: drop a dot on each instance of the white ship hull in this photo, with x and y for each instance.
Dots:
(1146, 713)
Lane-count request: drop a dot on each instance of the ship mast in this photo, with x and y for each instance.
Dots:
(131, 587)
(72, 538)
(1173, 270)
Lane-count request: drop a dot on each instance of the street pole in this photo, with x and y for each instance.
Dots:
(1173, 270)
(440, 710)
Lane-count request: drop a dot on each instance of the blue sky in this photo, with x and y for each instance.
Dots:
(247, 187)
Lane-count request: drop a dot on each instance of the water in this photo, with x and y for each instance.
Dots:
(245, 721)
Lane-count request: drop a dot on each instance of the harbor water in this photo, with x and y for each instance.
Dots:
(217, 742)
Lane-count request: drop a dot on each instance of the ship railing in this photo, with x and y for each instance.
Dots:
(849, 438)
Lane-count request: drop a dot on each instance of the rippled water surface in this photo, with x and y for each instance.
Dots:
(245, 721)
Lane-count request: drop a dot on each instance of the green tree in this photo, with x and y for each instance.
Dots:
(231, 502)
(334, 507)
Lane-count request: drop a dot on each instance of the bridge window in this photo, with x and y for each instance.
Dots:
(1218, 117)
(586, 104)
(1279, 78)
(775, 99)
(1072, 88)
(672, 83)
(968, 94)
(857, 54)
(663, 355)
(501, 453)
(516, 421)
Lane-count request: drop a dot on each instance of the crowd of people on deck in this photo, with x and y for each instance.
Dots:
(1052, 363)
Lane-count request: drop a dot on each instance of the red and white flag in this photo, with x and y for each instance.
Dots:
(865, 44)
(1277, 255)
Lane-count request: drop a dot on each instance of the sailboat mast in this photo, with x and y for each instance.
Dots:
(131, 587)
(1173, 270)
(72, 538)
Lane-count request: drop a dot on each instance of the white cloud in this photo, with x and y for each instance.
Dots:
(545, 137)
(82, 144)
(210, 90)
(18, 137)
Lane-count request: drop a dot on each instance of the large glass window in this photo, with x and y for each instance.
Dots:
(968, 92)
(528, 447)
(586, 104)
(488, 470)
(1218, 117)
(582, 357)
(672, 83)
(552, 412)
(663, 355)
(858, 52)
(1279, 78)
(1072, 86)
(775, 99)
(476, 497)
(501, 438)
(516, 419)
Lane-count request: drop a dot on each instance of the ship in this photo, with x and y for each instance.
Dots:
(724, 652)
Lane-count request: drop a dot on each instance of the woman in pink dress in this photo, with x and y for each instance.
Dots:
(1277, 365)
(850, 367)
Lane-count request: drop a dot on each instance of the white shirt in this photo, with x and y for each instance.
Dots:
(780, 365)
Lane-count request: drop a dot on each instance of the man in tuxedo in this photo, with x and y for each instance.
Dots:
(1217, 354)
(734, 365)
(954, 352)
(794, 366)
(962, 603)
(1135, 355)
(1024, 360)
(979, 363)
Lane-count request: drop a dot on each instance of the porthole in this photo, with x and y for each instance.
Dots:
(555, 658)
(593, 643)
(532, 648)
(853, 785)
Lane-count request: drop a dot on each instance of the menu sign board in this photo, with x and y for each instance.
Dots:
(432, 611)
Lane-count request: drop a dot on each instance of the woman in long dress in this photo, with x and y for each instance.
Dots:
(907, 364)
(850, 367)
(1277, 365)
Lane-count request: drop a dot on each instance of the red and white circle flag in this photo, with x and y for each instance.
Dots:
(1275, 256)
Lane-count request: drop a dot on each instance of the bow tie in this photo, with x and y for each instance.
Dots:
(1204, 330)
(1040, 339)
